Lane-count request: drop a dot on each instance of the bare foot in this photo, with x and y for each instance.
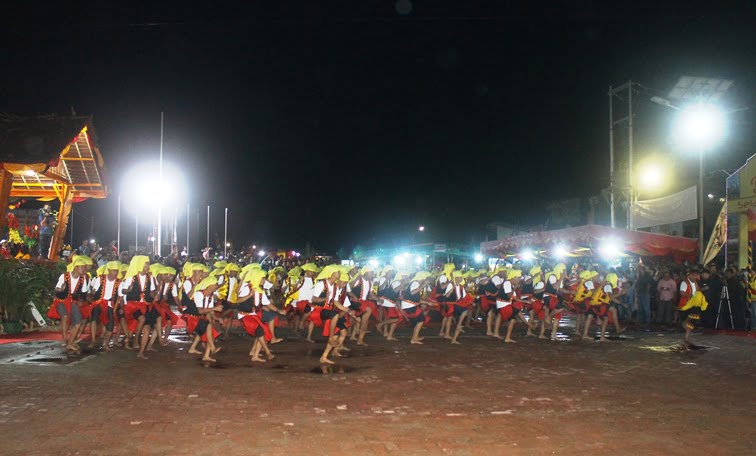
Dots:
(326, 361)
(553, 338)
(496, 336)
(510, 341)
(489, 333)
(217, 349)
(209, 360)
(345, 348)
(141, 356)
(310, 341)
(603, 339)
(416, 342)
(107, 348)
(455, 342)
(270, 356)
(392, 338)
(586, 338)
(194, 351)
(542, 337)
(276, 341)
(621, 330)
(257, 359)
(530, 334)
(446, 336)
(361, 342)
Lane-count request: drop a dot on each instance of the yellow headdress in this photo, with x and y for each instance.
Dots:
(421, 275)
(535, 271)
(231, 267)
(448, 268)
(295, 272)
(246, 270)
(137, 265)
(220, 264)
(253, 277)
(513, 274)
(113, 265)
(328, 271)
(310, 267)
(187, 269)
(345, 274)
(559, 269)
(612, 279)
(586, 275)
(155, 269)
(206, 282)
(123, 270)
(102, 269)
(366, 269)
(200, 267)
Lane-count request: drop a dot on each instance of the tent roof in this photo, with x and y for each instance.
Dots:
(46, 152)
(637, 242)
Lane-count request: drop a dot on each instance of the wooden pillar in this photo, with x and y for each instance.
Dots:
(6, 182)
(66, 202)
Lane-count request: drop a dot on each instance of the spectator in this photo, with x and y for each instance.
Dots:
(46, 222)
(644, 284)
(667, 289)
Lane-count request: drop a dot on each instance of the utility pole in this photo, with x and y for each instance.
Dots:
(611, 158)
(615, 92)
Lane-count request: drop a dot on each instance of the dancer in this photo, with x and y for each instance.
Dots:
(166, 298)
(364, 303)
(413, 303)
(250, 301)
(104, 290)
(692, 303)
(202, 311)
(138, 290)
(71, 288)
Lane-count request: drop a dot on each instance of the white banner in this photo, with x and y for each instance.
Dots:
(675, 208)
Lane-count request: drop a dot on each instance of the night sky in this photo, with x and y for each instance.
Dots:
(351, 123)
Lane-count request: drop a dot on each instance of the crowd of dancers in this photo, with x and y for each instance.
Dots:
(137, 304)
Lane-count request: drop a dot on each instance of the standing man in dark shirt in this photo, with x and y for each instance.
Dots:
(46, 222)
(644, 287)
(711, 287)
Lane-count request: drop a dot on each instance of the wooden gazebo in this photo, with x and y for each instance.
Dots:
(50, 157)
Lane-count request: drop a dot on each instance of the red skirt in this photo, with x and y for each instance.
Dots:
(301, 307)
(53, 314)
(191, 324)
(166, 313)
(315, 316)
(507, 313)
(103, 305)
(130, 309)
(252, 322)
(368, 304)
(486, 303)
(467, 301)
(393, 313)
(539, 309)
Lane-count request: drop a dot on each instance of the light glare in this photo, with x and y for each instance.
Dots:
(700, 126)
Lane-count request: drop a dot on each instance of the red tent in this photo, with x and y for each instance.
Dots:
(591, 237)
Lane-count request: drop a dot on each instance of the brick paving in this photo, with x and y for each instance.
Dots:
(634, 396)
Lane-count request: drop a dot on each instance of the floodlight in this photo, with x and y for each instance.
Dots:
(419, 259)
(560, 252)
(700, 126)
(527, 255)
(399, 259)
(373, 263)
(261, 253)
(478, 258)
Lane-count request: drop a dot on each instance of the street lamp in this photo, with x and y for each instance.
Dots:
(700, 127)
(421, 228)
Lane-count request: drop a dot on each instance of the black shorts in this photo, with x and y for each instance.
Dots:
(341, 323)
(201, 327)
(459, 310)
(268, 316)
(327, 314)
(226, 305)
(356, 306)
(151, 317)
(111, 321)
(95, 314)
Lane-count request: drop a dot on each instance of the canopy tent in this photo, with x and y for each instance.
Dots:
(583, 240)
(50, 157)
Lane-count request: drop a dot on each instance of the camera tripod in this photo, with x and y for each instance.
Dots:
(725, 296)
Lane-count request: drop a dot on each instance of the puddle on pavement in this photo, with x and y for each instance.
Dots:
(677, 348)
(326, 369)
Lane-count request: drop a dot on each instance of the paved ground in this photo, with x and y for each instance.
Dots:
(639, 396)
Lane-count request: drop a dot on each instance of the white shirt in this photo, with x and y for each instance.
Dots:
(320, 287)
(366, 287)
(202, 302)
(496, 280)
(174, 291)
(684, 287)
(109, 289)
(72, 285)
(245, 291)
(126, 284)
(306, 290)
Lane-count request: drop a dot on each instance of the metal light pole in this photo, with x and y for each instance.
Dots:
(225, 234)
(160, 183)
(611, 158)
(118, 231)
(207, 241)
(700, 205)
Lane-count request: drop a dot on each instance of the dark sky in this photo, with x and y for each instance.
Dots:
(350, 123)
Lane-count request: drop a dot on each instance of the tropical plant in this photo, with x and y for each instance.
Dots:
(22, 282)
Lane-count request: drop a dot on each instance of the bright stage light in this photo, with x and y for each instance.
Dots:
(143, 193)
(419, 259)
(527, 255)
(421, 228)
(560, 252)
(700, 126)
(261, 253)
(478, 258)
(373, 263)
(609, 249)
(399, 259)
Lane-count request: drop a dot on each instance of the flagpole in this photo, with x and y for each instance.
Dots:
(207, 240)
(187, 229)
(136, 236)
(160, 183)
(118, 235)
(225, 234)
